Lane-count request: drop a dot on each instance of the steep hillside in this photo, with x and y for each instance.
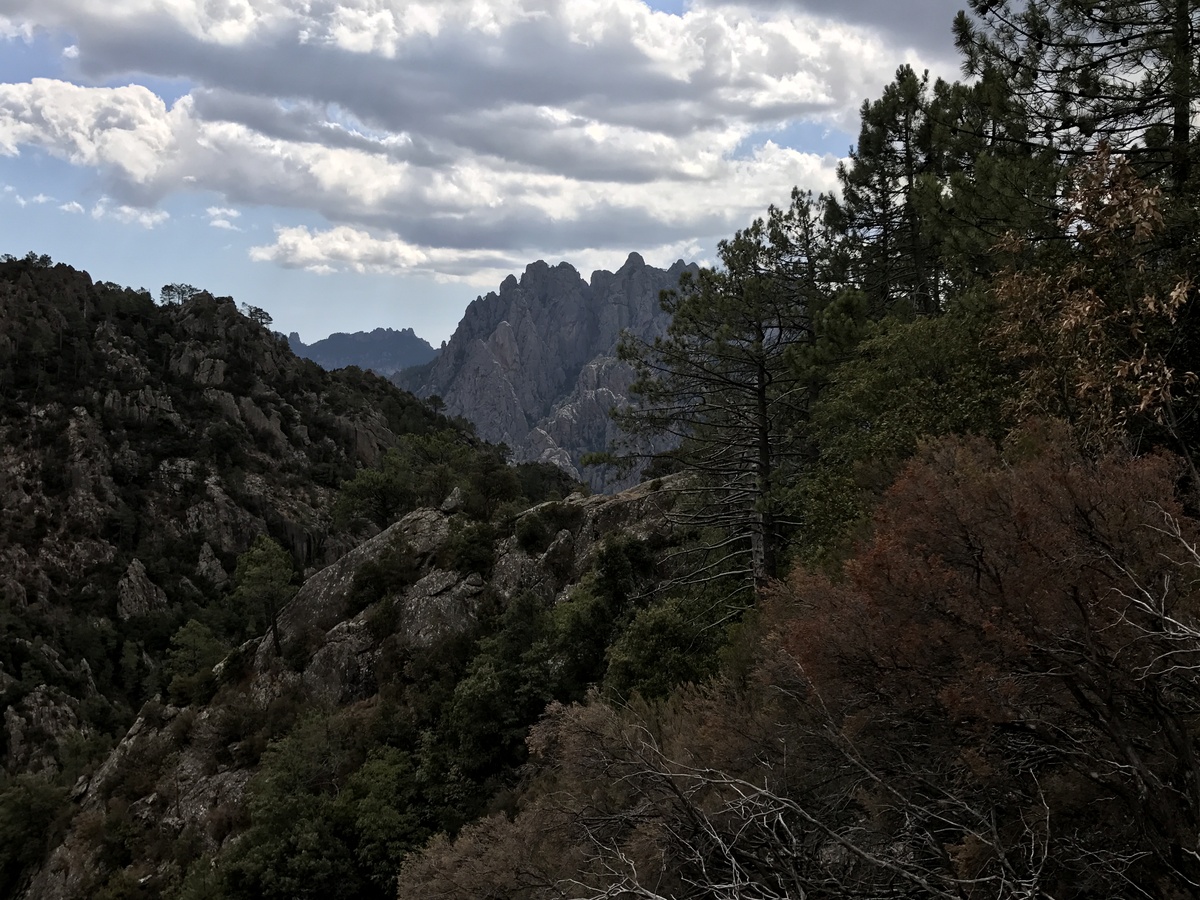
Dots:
(533, 365)
(393, 706)
(142, 449)
(383, 351)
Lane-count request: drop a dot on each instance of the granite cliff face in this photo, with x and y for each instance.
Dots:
(533, 365)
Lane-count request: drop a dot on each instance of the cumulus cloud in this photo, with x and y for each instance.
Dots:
(72, 207)
(922, 25)
(300, 248)
(129, 215)
(454, 137)
(222, 217)
(10, 29)
(346, 248)
(128, 132)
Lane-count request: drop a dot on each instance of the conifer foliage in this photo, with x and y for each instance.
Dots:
(725, 379)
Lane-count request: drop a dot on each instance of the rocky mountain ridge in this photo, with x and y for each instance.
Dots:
(533, 365)
(383, 351)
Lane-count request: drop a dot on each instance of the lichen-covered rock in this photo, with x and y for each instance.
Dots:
(370, 437)
(260, 422)
(210, 568)
(35, 726)
(440, 604)
(225, 402)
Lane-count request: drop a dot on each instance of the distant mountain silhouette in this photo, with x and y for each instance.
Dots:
(384, 351)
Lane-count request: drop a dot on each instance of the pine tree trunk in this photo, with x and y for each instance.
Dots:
(762, 545)
(1181, 88)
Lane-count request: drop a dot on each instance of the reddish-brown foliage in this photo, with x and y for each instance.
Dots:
(1016, 634)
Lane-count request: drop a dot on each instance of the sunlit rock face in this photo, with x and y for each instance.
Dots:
(534, 365)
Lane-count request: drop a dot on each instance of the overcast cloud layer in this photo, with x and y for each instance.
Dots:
(460, 139)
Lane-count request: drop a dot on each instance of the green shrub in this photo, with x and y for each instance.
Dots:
(533, 533)
(536, 530)
(391, 572)
(33, 813)
(470, 548)
(189, 666)
(671, 643)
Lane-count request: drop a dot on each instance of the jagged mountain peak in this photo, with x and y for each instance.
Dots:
(532, 364)
(633, 261)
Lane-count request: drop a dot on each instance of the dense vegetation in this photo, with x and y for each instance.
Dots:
(942, 428)
(927, 625)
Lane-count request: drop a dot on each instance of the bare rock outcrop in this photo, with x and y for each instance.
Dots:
(533, 365)
(137, 595)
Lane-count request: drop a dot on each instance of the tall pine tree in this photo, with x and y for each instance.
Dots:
(724, 381)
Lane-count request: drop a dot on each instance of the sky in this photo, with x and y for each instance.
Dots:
(353, 164)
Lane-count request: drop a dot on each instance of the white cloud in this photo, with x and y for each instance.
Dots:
(491, 132)
(72, 207)
(71, 52)
(129, 215)
(352, 248)
(146, 218)
(13, 30)
(22, 201)
(126, 131)
(222, 217)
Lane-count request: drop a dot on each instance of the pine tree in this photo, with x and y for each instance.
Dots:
(725, 380)
(1119, 70)
(939, 175)
(887, 251)
(264, 583)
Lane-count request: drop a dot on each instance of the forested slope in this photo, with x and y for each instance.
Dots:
(144, 447)
(169, 474)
